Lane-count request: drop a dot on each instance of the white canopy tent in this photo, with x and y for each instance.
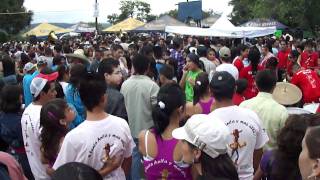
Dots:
(223, 28)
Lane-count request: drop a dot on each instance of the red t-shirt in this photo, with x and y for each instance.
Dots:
(289, 67)
(237, 62)
(309, 60)
(238, 99)
(252, 89)
(309, 83)
(282, 59)
(318, 110)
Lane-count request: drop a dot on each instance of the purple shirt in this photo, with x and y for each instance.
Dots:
(163, 165)
(206, 106)
(178, 57)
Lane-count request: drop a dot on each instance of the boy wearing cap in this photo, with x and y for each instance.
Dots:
(43, 89)
(30, 72)
(247, 135)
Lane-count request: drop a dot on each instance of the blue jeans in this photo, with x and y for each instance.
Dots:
(136, 162)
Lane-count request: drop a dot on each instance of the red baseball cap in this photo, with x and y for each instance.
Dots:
(49, 77)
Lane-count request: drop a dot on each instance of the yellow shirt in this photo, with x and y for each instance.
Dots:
(272, 114)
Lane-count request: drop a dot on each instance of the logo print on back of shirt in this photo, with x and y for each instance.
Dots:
(107, 153)
(164, 174)
(236, 145)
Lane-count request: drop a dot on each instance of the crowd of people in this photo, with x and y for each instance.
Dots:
(153, 107)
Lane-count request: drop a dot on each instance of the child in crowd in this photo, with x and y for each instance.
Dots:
(77, 74)
(238, 96)
(202, 100)
(55, 116)
(10, 125)
(173, 64)
(102, 141)
(109, 69)
(190, 72)
(282, 162)
(43, 90)
(204, 145)
(211, 55)
(118, 54)
(157, 143)
(166, 75)
(76, 171)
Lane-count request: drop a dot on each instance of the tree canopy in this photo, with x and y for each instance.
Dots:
(136, 9)
(293, 13)
(14, 23)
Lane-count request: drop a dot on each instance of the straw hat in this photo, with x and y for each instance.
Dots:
(79, 54)
(287, 93)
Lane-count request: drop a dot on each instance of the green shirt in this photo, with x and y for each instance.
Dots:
(272, 114)
(190, 79)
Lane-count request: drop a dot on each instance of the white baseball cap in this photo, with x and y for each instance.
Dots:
(230, 68)
(29, 66)
(37, 84)
(208, 134)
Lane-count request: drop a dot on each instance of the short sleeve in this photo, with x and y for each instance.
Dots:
(262, 136)
(295, 79)
(154, 93)
(66, 154)
(264, 163)
(243, 73)
(130, 143)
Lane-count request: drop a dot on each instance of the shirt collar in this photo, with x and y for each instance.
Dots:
(140, 77)
(265, 95)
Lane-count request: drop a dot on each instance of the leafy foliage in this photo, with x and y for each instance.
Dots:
(14, 23)
(135, 9)
(293, 13)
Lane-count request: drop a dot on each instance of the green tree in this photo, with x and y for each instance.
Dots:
(134, 9)
(293, 13)
(14, 23)
(112, 18)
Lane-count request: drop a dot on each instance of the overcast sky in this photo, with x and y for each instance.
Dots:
(71, 11)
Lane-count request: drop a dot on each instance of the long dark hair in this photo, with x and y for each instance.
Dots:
(77, 73)
(201, 87)
(52, 131)
(313, 142)
(289, 147)
(10, 99)
(221, 167)
(170, 97)
(254, 58)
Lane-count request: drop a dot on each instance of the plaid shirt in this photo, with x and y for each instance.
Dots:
(177, 56)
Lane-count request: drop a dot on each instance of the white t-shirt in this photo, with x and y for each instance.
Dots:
(208, 65)
(252, 136)
(64, 86)
(86, 144)
(30, 124)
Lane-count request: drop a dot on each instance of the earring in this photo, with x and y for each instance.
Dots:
(62, 122)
